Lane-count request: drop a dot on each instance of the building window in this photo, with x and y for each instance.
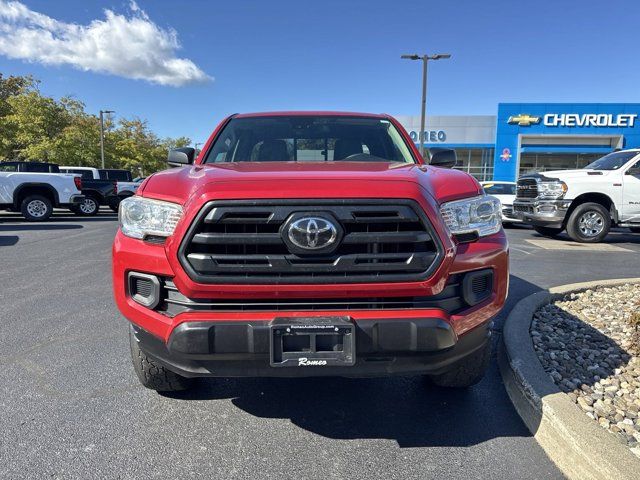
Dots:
(476, 161)
(545, 162)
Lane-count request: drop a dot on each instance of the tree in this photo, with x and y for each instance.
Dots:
(32, 125)
(10, 87)
(36, 127)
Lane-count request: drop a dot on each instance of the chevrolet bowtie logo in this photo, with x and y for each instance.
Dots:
(523, 120)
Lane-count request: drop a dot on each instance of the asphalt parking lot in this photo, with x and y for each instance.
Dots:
(71, 406)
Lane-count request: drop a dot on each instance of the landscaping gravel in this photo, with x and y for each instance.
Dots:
(584, 342)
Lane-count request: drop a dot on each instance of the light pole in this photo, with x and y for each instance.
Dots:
(425, 59)
(102, 112)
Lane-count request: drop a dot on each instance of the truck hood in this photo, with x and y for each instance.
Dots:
(180, 184)
(575, 174)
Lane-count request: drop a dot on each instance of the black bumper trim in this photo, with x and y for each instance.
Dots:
(383, 347)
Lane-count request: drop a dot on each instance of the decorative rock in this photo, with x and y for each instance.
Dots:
(584, 343)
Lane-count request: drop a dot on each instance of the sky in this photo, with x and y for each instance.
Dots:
(184, 65)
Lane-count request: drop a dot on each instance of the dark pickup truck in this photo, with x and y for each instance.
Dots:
(98, 192)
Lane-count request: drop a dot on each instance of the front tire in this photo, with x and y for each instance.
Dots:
(151, 374)
(36, 208)
(88, 208)
(466, 372)
(589, 223)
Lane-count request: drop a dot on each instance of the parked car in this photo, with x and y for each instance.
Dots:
(586, 202)
(310, 244)
(37, 194)
(506, 193)
(96, 191)
(123, 184)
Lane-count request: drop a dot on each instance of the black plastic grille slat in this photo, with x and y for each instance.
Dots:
(241, 242)
(450, 300)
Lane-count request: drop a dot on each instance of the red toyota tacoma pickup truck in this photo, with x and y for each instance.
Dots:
(307, 244)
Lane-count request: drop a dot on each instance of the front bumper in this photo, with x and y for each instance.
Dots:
(542, 213)
(383, 347)
(508, 216)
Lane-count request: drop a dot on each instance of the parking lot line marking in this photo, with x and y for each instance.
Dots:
(550, 244)
(520, 250)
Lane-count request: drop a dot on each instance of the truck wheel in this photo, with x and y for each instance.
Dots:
(36, 208)
(589, 223)
(548, 231)
(88, 207)
(153, 375)
(468, 371)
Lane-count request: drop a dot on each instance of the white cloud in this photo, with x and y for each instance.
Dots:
(130, 46)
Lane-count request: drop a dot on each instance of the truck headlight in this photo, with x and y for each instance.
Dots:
(481, 215)
(555, 189)
(140, 217)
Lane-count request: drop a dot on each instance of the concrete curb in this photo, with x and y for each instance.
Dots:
(576, 444)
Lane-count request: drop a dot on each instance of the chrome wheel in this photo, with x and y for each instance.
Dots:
(591, 223)
(88, 206)
(37, 208)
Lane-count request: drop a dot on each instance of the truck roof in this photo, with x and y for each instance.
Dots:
(311, 113)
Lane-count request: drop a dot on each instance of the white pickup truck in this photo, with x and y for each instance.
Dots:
(585, 202)
(36, 194)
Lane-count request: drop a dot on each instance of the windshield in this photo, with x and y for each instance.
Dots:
(613, 161)
(309, 139)
(500, 188)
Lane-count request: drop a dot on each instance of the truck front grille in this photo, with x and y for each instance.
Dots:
(245, 242)
(461, 292)
(523, 208)
(527, 188)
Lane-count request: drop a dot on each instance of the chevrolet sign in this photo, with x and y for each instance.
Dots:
(621, 120)
(590, 120)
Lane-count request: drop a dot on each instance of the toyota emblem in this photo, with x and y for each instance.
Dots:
(312, 233)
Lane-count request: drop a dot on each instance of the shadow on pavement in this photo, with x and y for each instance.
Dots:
(409, 410)
(8, 240)
(615, 236)
(37, 226)
(60, 217)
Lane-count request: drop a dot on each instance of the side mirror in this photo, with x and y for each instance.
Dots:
(181, 156)
(442, 157)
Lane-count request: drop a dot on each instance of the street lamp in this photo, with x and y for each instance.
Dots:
(102, 112)
(425, 59)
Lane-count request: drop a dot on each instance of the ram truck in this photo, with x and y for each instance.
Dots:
(309, 244)
(585, 202)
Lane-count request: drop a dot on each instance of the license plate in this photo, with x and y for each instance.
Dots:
(312, 342)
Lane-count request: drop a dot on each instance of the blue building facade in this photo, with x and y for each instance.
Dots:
(532, 137)
(550, 136)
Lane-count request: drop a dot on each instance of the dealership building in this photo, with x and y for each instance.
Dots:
(531, 137)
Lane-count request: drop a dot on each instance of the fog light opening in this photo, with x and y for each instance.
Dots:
(144, 289)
